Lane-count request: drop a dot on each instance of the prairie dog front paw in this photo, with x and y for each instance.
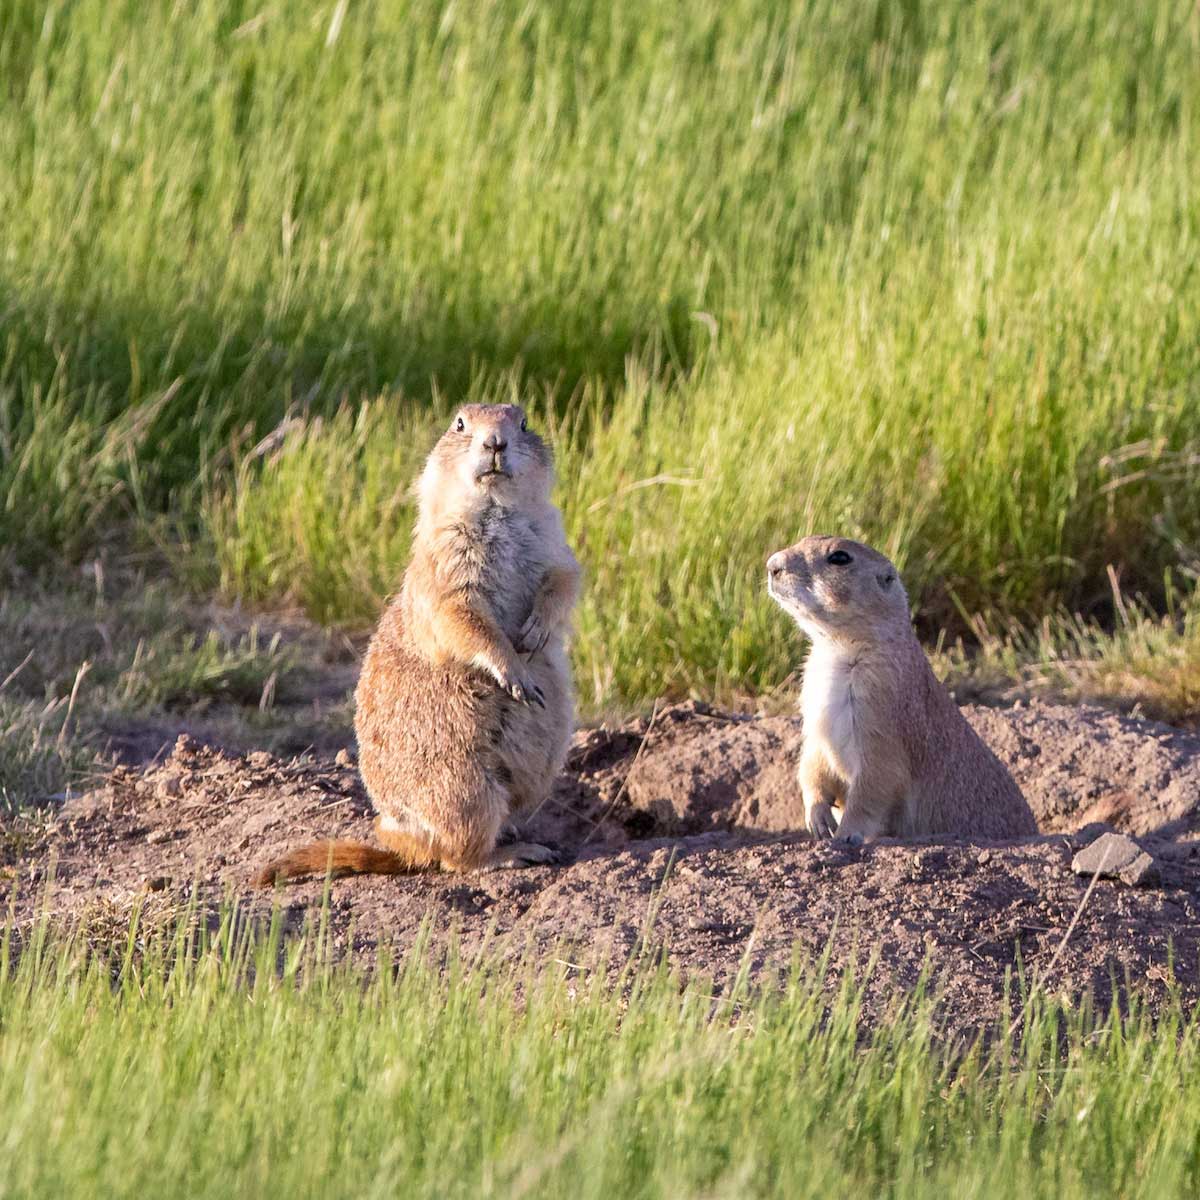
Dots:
(534, 635)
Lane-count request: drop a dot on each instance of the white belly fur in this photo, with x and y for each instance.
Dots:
(827, 703)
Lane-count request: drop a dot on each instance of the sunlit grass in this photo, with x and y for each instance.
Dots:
(920, 273)
(167, 1061)
(1148, 664)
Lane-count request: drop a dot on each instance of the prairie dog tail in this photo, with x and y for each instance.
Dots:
(406, 854)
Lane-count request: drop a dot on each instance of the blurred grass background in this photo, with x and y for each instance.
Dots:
(920, 271)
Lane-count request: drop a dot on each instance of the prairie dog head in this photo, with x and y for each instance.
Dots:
(838, 589)
(488, 454)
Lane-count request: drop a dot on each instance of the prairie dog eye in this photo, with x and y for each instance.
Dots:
(524, 424)
(839, 558)
(460, 425)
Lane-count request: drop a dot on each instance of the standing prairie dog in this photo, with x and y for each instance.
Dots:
(882, 738)
(464, 706)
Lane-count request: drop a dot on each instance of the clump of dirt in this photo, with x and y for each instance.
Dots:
(685, 770)
(686, 828)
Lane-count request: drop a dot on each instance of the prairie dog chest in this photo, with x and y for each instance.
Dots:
(507, 564)
(829, 707)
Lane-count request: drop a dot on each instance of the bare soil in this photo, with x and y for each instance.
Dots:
(684, 831)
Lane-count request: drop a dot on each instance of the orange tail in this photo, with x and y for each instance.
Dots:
(341, 858)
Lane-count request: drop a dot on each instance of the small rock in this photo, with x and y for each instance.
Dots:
(343, 759)
(1142, 872)
(1115, 856)
(157, 836)
(158, 883)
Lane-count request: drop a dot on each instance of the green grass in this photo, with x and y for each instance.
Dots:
(155, 1064)
(921, 272)
(38, 757)
(1148, 665)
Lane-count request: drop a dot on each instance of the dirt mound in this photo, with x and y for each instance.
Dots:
(689, 822)
(688, 769)
(702, 769)
(1078, 765)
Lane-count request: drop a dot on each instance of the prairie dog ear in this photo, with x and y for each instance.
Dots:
(886, 580)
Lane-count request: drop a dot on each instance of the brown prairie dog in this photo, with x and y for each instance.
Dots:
(464, 706)
(883, 740)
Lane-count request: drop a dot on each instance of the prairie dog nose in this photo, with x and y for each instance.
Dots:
(495, 443)
(776, 564)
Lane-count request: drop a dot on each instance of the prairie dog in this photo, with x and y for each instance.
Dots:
(464, 707)
(882, 738)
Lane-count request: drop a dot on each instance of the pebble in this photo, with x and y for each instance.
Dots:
(1115, 856)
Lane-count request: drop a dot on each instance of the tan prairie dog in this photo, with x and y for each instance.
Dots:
(464, 707)
(883, 739)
